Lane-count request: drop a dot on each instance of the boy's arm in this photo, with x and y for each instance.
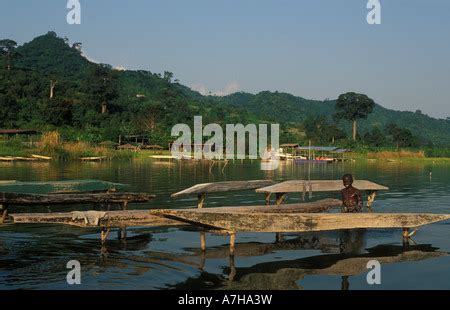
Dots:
(359, 200)
(344, 206)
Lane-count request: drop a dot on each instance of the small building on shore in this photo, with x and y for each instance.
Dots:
(29, 136)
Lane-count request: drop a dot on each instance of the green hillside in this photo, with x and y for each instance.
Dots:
(94, 102)
(284, 107)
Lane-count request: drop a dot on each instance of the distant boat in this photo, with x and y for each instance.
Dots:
(313, 161)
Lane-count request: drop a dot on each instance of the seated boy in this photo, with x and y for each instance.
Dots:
(351, 197)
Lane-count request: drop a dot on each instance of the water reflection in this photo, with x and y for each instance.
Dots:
(36, 256)
(351, 260)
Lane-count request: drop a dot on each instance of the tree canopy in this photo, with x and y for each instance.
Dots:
(352, 106)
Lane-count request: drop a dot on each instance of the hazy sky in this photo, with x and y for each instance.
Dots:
(312, 48)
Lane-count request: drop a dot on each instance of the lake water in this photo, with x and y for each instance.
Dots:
(35, 256)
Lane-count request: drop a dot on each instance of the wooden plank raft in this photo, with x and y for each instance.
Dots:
(306, 207)
(65, 199)
(279, 221)
(305, 186)
(110, 219)
(228, 186)
(295, 186)
(53, 187)
(13, 199)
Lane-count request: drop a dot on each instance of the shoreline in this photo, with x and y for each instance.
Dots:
(32, 155)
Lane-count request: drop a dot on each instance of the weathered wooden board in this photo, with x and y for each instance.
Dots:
(98, 158)
(64, 199)
(110, 219)
(297, 222)
(305, 207)
(9, 159)
(162, 157)
(18, 158)
(227, 186)
(75, 186)
(296, 186)
(41, 157)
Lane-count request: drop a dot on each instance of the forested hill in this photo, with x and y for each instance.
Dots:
(284, 107)
(96, 102)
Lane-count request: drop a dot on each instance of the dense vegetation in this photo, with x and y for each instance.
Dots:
(48, 84)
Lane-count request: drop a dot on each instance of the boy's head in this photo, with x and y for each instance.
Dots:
(347, 179)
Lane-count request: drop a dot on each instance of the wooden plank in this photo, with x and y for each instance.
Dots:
(306, 207)
(162, 157)
(6, 158)
(32, 199)
(48, 187)
(99, 158)
(226, 186)
(18, 158)
(296, 186)
(110, 219)
(41, 157)
(297, 222)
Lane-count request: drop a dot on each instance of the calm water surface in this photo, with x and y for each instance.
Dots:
(35, 256)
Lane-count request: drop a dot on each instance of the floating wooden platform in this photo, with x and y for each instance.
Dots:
(295, 186)
(73, 186)
(170, 157)
(18, 158)
(145, 218)
(110, 219)
(226, 186)
(219, 187)
(310, 186)
(279, 221)
(305, 207)
(65, 199)
(98, 158)
(41, 157)
(13, 199)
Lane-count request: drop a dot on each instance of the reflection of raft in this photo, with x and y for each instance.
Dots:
(286, 274)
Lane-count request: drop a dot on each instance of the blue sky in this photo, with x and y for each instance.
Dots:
(314, 49)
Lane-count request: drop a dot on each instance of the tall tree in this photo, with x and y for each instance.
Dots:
(9, 110)
(52, 88)
(319, 130)
(102, 85)
(168, 76)
(402, 137)
(352, 106)
(8, 50)
(376, 137)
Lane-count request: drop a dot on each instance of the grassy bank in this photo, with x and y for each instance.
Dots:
(52, 146)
